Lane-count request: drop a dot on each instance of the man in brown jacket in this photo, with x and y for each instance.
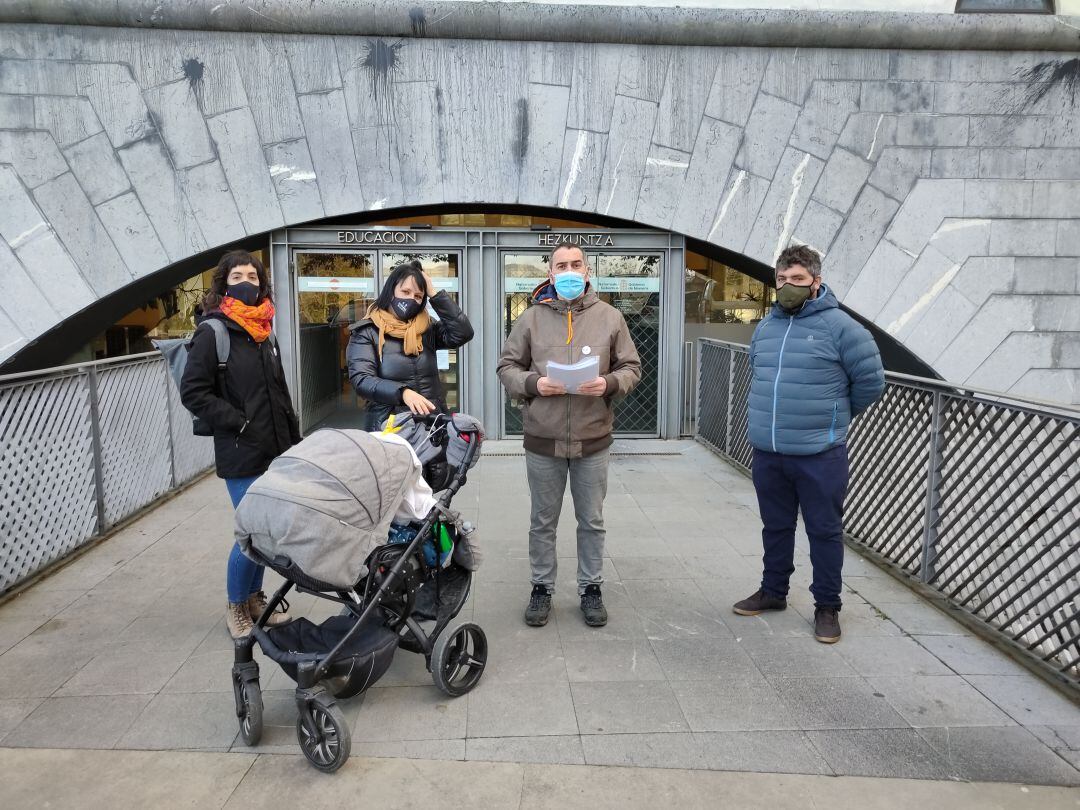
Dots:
(568, 433)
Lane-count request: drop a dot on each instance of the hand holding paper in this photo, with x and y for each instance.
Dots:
(573, 375)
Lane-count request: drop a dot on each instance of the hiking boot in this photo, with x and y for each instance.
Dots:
(592, 605)
(256, 604)
(536, 614)
(238, 620)
(759, 603)
(827, 625)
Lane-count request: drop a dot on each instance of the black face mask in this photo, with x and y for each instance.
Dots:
(406, 308)
(245, 292)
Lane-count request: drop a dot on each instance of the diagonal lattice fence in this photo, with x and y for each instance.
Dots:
(81, 449)
(974, 494)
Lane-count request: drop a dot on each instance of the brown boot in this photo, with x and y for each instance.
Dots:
(256, 604)
(238, 620)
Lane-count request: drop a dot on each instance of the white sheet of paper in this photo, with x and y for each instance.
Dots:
(573, 375)
(442, 357)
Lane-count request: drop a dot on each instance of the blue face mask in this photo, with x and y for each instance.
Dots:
(569, 285)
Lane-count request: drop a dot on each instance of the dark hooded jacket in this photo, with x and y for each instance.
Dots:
(255, 393)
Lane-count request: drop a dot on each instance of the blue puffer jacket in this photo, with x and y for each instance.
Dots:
(812, 372)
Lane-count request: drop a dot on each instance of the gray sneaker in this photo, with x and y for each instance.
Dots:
(592, 605)
(536, 614)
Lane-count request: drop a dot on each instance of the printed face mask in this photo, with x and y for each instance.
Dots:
(570, 285)
(792, 296)
(406, 308)
(245, 292)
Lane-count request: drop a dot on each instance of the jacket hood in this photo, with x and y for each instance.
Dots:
(544, 293)
(825, 300)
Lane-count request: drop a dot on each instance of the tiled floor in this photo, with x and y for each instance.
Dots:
(126, 648)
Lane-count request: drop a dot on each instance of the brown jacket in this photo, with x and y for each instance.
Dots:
(568, 426)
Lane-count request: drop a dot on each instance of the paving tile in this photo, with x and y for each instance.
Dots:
(966, 655)
(627, 707)
(703, 658)
(761, 752)
(836, 703)
(524, 655)
(657, 750)
(411, 749)
(13, 712)
(651, 592)
(521, 710)
(999, 755)
(14, 629)
(857, 618)
(778, 623)
(890, 752)
(889, 655)
(611, 661)
(78, 722)
(189, 721)
(408, 713)
(33, 671)
(801, 657)
(677, 621)
(739, 703)
(1028, 700)
(124, 673)
(39, 602)
(882, 588)
(939, 700)
(564, 750)
(921, 619)
(208, 672)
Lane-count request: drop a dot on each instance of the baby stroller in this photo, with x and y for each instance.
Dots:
(320, 517)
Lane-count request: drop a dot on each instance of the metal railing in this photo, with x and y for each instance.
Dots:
(82, 448)
(972, 493)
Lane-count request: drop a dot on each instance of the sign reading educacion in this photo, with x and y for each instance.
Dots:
(376, 237)
(580, 239)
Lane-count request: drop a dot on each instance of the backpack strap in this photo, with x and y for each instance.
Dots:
(223, 346)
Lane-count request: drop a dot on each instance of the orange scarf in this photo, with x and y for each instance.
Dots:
(409, 332)
(255, 320)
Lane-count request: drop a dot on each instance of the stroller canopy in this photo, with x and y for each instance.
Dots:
(326, 503)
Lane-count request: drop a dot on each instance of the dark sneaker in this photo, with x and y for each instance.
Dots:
(759, 603)
(536, 614)
(827, 625)
(592, 605)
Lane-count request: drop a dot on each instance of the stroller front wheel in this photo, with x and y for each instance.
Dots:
(459, 658)
(249, 710)
(327, 745)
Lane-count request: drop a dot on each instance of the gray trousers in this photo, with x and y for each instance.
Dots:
(588, 487)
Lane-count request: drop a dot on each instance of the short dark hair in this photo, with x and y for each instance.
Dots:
(566, 246)
(411, 269)
(800, 254)
(220, 279)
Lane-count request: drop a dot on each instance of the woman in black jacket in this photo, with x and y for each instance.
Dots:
(248, 406)
(391, 354)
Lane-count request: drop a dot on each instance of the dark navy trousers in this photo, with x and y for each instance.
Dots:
(817, 484)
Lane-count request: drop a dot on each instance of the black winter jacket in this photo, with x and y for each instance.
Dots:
(383, 383)
(255, 392)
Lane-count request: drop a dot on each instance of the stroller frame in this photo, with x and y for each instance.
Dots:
(321, 728)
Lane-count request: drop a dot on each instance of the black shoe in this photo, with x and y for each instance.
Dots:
(759, 603)
(536, 614)
(827, 625)
(592, 605)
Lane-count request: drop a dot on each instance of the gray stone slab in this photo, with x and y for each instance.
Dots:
(611, 661)
(159, 190)
(893, 752)
(999, 755)
(824, 116)
(207, 672)
(661, 186)
(124, 673)
(11, 340)
(999, 198)
(643, 72)
(779, 657)
(582, 166)
(180, 123)
(858, 237)
(836, 703)
(553, 63)
(521, 710)
(212, 203)
(632, 707)
(418, 148)
(1038, 275)
(314, 63)
(999, 317)
(939, 700)
(409, 713)
(909, 65)
(69, 120)
(941, 322)
(22, 219)
(1068, 238)
(293, 176)
(884, 656)
(954, 163)
(629, 142)
(766, 135)
(713, 155)
(740, 202)
(897, 96)
(25, 304)
(17, 111)
(130, 229)
(735, 86)
(960, 239)
(970, 656)
(841, 180)
(928, 278)
(43, 256)
(817, 227)
(33, 155)
(923, 211)
(793, 71)
(761, 752)
(565, 750)
(1055, 312)
(13, 712)
(78, 722)
(214, 60)
(700, 659)
(983, 276)
(737, 703)
(1027, 701)
(657, 750)
(191, 721)
(788, 195)
(242, 160)
(94, 163)
(866, 134)
(689, 81)
(987, 98)
(64, 204)
(918, 618)
(269, 87)
(1003, 163)
(898, 168)
(1008, 131)
(37, 77)
(331, 146)
(592, 90)
(1022, 237)
(30, 671)
(679, 621)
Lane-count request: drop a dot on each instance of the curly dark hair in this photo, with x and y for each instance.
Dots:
(412, 269)
(219, 281)
(800, 254)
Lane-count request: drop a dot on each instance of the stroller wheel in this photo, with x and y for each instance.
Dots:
(459, 658)
(250, 711)
(328, 748)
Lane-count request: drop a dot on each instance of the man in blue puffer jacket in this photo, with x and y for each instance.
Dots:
(813, 369)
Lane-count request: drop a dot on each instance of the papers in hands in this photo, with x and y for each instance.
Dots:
(575, 374)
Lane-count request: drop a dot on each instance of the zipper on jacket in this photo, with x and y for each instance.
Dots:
(776, 382)
(832, 425)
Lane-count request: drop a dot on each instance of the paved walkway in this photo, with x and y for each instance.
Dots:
(126, 649)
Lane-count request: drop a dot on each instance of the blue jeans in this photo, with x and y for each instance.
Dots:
(817, 484)
(245, 576)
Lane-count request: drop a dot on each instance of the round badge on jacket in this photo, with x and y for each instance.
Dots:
(586, 350)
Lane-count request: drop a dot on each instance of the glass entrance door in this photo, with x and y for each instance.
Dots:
(628, 282)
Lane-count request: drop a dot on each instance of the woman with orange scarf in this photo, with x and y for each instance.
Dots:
(392, 352)
(247, 405)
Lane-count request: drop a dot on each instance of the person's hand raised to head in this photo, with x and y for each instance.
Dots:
(430, 284)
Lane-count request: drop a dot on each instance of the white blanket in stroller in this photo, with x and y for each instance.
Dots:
(328, 501)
